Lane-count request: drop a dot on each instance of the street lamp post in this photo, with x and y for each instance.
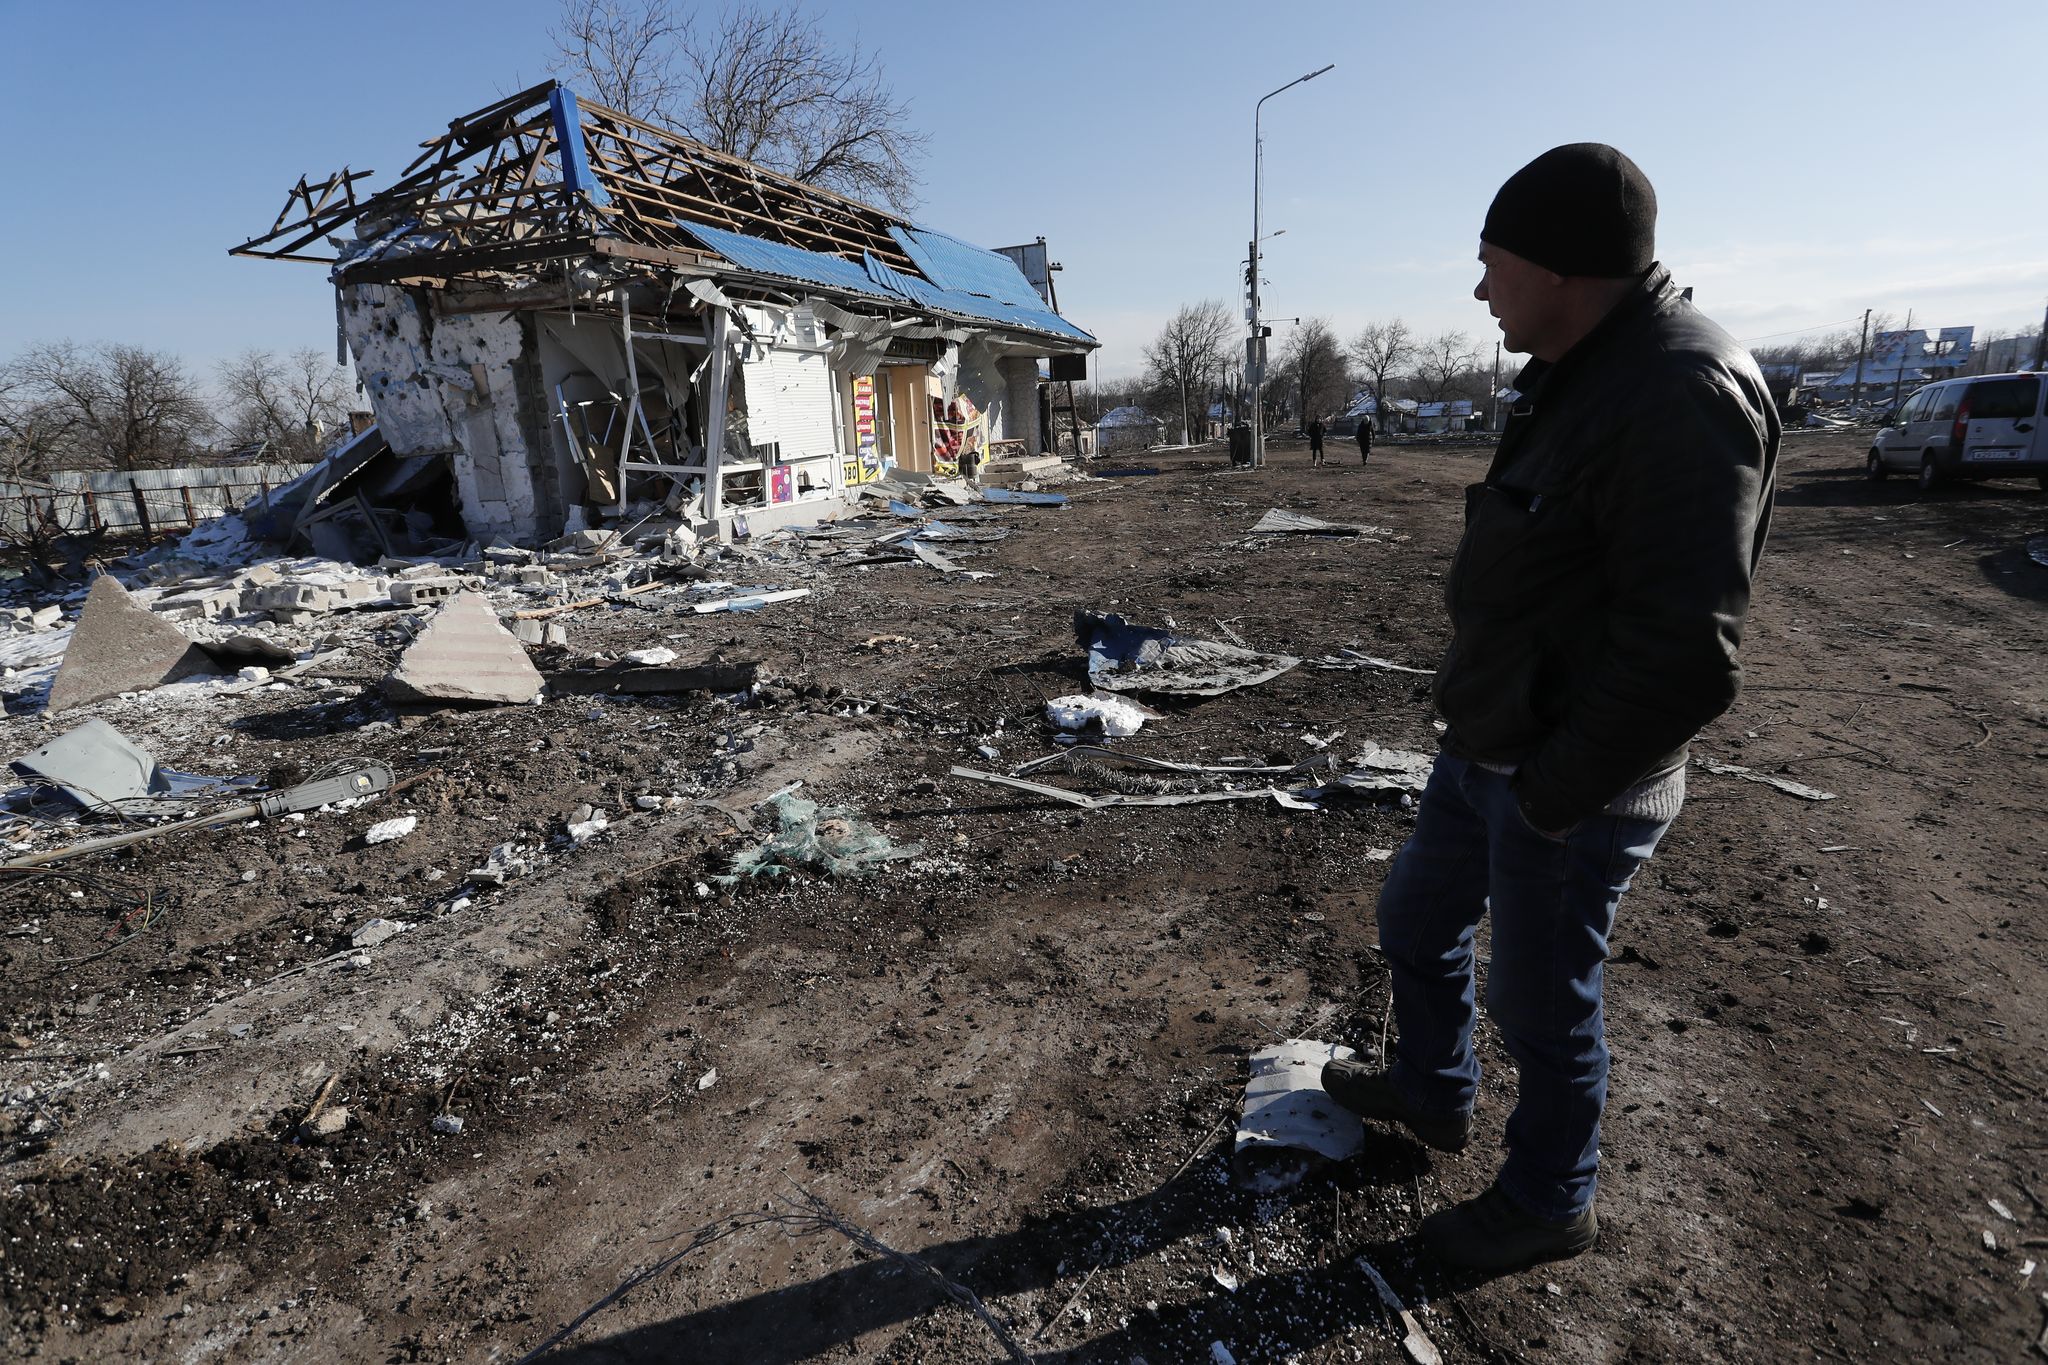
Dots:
(1255, 349)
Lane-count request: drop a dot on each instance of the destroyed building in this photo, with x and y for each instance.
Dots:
(558, 311)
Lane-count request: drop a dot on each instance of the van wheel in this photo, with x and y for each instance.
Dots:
(1874, 468)
(1929, 475)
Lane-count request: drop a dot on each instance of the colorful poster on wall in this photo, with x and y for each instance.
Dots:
(958, 434)
(866, 464)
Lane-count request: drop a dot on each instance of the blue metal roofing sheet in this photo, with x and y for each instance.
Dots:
(953, 264)
(948, 263)
(773, 258)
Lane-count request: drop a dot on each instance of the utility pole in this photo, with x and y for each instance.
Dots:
(2041, 343)
(1862, 349)
(1255, 341)
(1493, 400)
(1899, 376)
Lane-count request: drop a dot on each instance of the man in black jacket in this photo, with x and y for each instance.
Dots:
(1596, 602)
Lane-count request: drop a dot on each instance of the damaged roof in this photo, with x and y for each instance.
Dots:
(543, 176)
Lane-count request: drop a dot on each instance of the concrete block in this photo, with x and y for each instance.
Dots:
(297, 597)
(464, 655)
(45, 617)
(203, 604)
(416, 592)
(121, 646)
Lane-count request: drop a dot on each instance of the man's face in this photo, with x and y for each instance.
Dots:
(1522, 295)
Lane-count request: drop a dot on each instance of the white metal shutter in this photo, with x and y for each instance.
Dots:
(789, 401)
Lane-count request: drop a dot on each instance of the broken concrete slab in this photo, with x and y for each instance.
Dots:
(464, 655)
(120, 646)
(541, 632)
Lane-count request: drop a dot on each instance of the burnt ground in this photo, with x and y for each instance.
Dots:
(1016, 1055)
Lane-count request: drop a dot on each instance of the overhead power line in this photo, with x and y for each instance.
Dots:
(1797, 331)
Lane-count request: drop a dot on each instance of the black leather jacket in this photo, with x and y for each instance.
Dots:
(1598, 594)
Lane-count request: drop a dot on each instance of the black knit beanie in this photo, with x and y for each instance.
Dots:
(1580, 209)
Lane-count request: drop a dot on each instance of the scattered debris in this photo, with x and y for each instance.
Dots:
(121, 646)
(464, 655)
(1127, 658)
(1351, 659)
(447, 1124)
(831, 839)
(1783, 784)
(377, 931)
(1103, 802)
(708, 1079)
(1277, 522)
(1414, 1341)
(1027, 499)
(95, 766)
(648, 658)
(1291, 1126)
(386, 831)
(750, 603)
(502, 864)
(714, 675)
(585, 824)
(1113, 715)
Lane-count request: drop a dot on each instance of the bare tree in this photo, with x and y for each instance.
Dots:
(625, 55)
(291, 403)
(765, 83)
(112, 405)
(32, 428)
(1380, 351)
(1187, 354)
(1442, 363)
(1313, 361)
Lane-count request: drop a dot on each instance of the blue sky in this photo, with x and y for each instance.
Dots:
(1810, 160)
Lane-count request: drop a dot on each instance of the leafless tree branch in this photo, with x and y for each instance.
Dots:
(764, 82)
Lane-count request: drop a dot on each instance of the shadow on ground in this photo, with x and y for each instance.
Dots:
(830, 1313)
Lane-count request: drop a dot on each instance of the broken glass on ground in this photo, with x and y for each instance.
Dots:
(831, 839)
(1123, 657)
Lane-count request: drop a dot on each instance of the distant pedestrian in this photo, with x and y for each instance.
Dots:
(1315, 442)
(1365, 440)
(1596, 602)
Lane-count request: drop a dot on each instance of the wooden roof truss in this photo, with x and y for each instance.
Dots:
(496, 193)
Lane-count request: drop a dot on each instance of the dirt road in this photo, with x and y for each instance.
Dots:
(1016, 1053)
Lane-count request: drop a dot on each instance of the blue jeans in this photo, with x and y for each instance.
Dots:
(1553, 904)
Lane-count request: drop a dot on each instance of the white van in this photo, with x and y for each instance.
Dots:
(1988, 426)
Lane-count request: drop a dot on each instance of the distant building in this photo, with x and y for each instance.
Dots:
(1900, 361)
(1128, 428)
